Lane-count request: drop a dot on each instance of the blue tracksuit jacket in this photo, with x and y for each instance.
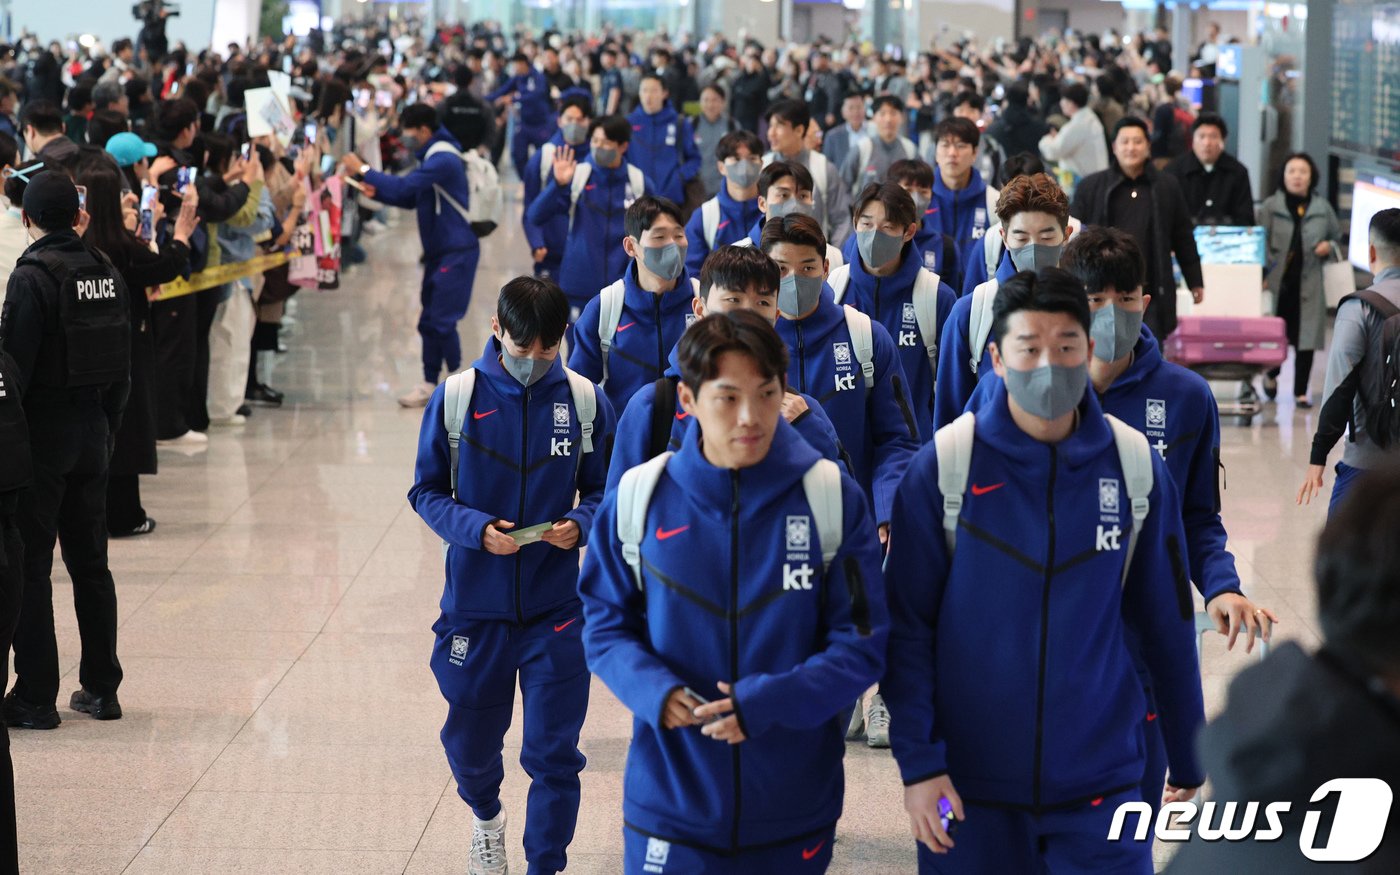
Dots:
(520, 460)
(877, 428)
(553, 233)
(975, 271)
(955, 378)
(531, 95)
(441, 228)
(1008, 666)
(663, 145)
(935, 256)
(1175, 408)
(734, 591)
(632, 446)
(648, 329)
(890, 301)
(593, 255)
(963, 214)
(735, 220)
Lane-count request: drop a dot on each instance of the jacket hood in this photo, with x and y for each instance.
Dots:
(665, 115)
(976, 189)
(818, 324)
(711, 488)
(441, 135)
(1147, 357)
(638, 298)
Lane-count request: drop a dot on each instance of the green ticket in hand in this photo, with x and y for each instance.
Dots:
(530, 534)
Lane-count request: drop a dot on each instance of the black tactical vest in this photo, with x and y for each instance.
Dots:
(94, 320)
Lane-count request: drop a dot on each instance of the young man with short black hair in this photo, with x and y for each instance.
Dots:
(785, 189)
(625, 332)
(504, 449)
(1057, 528)
(965, 200)
(727, 217)
(871, 158)
(789, 122)
(663, 141)
(844, 359)
(734, 679)
(594, 194)
(732, 278)
(547, 240)
(940, 253)
(888, 282)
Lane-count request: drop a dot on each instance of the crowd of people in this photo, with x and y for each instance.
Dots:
(829, 315)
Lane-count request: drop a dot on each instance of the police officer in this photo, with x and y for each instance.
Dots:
(15, 470)
(65, 322)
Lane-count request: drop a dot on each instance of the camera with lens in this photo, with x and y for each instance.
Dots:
(149, 10)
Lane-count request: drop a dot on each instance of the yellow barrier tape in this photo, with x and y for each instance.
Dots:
(217, 276)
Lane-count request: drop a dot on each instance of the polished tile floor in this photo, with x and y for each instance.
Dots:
(280, 714)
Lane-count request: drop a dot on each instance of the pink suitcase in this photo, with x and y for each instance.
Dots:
(1228, 347)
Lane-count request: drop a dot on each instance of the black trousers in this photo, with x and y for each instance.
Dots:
(174, 324)
(206, 307)
(11, 589)
(67, 503)
(124, 510)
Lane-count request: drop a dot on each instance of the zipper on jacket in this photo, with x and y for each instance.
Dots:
(520, 514)
(801, 358)
(660, 351)
(878, 280)
(734, 640)
(1044, 632)
(903, 400)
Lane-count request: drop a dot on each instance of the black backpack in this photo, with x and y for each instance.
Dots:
(1381, 402)
(470, 122)
(15, 461)
(95, 315)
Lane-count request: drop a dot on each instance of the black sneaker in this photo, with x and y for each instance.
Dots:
(244, 410)
(263, 394)
(20, 714)
(144, 529)
(100, 707)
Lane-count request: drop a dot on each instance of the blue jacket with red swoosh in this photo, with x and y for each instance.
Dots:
(663, 145)
(733, 590)
(593, 254)
(735, 219)
(633, 444)
(441, 229)
(963, 214)
(648, 329)
(876, 426)
(1175, 408)
(1008, 668)
(936, 249)
(553, 233)
(520, 460)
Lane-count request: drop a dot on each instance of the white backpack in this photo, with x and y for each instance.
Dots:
(709, 221)
(457, 397)
(486, 202)
(993, 246)
(925, 305)
(610, 301)
(862, 343)
(953, 445)
(636, 187)
(979, 321)
(821, 484)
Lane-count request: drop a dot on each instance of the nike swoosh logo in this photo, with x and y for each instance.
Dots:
(562, 626)
(662, 534)
(722, 224)
(808, 854)
(680, 416)
(589, 187)
(477, 415)
(622, 328)
(1151, 717)
(983, 490)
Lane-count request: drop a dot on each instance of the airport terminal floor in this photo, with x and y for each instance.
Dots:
(280, 715)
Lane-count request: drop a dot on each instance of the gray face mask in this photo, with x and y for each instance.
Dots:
(1114, 332)
(527, 372)
(921, 202)
(606, 156)
(574, 133)
(664, 261)
(743, 173)
(798, 294)
(1034, 256)
(410, 142)
(1049, 391)
(791, 207)
(877, 248)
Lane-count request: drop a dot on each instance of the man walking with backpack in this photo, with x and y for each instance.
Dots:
(1363, 371)
(438, 189)
(529, 434)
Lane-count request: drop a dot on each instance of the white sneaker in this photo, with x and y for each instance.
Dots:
(856, 728)
(188, 439)
(488, 846)
(374, 226)
(227, 421)
(877, 722)
(418, 397)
